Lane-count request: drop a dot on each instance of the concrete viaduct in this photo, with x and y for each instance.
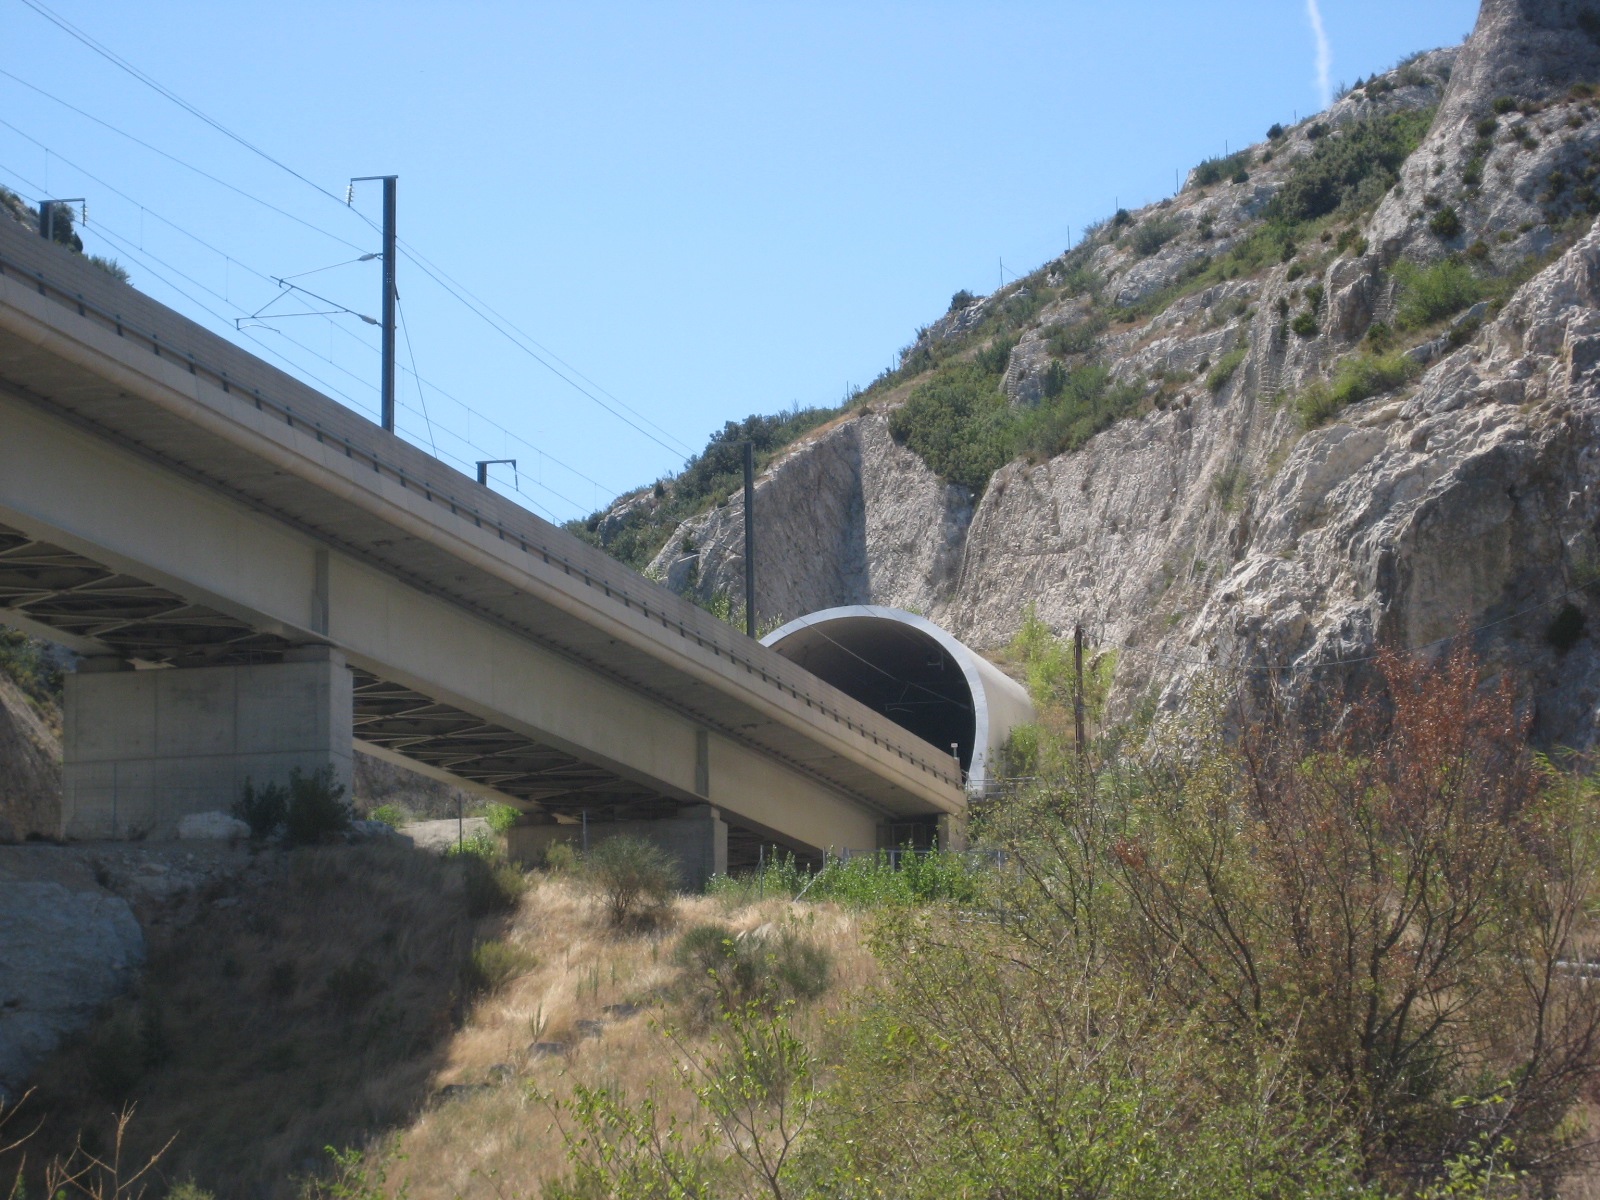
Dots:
(259, 579)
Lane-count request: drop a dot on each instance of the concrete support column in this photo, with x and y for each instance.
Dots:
(142, 749)
(953, 831)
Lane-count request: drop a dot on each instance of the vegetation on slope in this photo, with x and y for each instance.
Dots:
(707, 480)
(1290, 962)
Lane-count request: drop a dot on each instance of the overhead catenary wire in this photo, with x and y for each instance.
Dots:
(480, 308)
(156, 267)
(125, 247)
(117, 60)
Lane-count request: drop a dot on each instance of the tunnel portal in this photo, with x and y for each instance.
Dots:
(914, 673)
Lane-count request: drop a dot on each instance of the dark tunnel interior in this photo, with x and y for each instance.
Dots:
(893, 669)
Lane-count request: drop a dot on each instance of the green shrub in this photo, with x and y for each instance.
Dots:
(1215, 170)
(1432, 293)
(1504, 105)
(1305, 324)
(30, 665)
(491, 884)
(1230, 487)
(1154, 233)
(1077, 338)
(1086, 401)
(111, 267)
(1226, 366)
(262, 809)
(316, 809)
(561, 857)
(1274, 132)
(996, 356)
(480, 843)
(501, 817)
(962, 299)
(1446, 223)
(1354, 379)
(634, 877)
(957, 421)
(726, 973)
(391, 815)
(1352, 169)
(493, 964)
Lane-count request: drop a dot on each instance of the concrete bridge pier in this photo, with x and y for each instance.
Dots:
(143, 748)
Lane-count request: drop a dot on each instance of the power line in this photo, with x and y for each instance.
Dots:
(122, 63)
(421, 399)
(188, 166)
(126, 249)
(421, 260)
(478, 307)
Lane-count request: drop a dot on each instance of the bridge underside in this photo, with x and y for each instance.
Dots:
(85, 602)
(169, 501)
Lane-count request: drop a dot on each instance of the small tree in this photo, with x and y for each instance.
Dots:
(316, 807)
(633, 876)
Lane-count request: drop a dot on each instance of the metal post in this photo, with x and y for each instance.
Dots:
(461, 826)
(1077, 691)
(750, 538)
(389, 182)
(46, 222)
(485, 463)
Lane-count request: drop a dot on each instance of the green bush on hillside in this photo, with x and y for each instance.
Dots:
(1087, 401)
(1434, 292)
(1216, 170)
(1154, 233)
(957, 421)
(30, 665)
(1226, 366)
(1354, 379)
(635, 878)
(1351, 169)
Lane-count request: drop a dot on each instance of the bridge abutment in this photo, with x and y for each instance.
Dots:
(143, 749)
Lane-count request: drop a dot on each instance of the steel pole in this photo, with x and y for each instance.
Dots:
(389, 182)
(750, 538)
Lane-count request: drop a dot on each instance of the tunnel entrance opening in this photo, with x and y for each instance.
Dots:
(896, 670)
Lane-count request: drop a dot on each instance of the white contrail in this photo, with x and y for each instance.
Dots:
(1324, 53)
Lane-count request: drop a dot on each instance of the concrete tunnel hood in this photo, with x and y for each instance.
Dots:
(916, 674)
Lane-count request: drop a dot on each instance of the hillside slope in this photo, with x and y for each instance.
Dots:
(1337, 393)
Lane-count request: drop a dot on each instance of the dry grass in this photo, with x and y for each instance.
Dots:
(501, 1141)
(314, 1009)
(325, 1008)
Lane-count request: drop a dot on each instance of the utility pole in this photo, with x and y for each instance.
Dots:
(485, 463)
(1077, 692)
(47, 215)
(389, 293)
(750, 538)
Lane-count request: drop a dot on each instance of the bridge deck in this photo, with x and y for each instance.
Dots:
(82, 348)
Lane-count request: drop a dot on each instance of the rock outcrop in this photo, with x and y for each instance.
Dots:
(30, 766)
(1212, 530)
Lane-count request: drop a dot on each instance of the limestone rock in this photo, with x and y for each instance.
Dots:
(30, 783)
(212, 827)
(1210, 531)
(63, 954)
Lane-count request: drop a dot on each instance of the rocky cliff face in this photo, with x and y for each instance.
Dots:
(1212, 528)
(30, 765)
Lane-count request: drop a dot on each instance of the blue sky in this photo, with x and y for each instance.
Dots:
(707, 210)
